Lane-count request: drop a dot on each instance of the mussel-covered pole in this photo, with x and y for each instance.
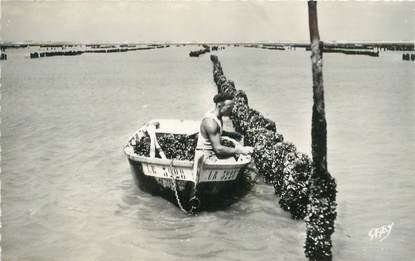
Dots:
(321, 212)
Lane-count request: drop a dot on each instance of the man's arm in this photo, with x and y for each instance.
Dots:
(211, 129)
(232, 134)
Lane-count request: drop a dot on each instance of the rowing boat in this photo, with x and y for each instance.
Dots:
(212, 182)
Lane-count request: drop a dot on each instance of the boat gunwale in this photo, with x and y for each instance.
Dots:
(184, 163)
(129, 151)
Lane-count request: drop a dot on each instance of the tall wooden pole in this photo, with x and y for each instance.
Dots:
(319, 125)
(321, 211)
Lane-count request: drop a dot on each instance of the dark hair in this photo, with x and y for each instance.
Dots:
(220, 97)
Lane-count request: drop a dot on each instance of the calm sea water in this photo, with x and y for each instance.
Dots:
(67, 191)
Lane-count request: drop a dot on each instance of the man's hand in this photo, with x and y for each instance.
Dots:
(245, 150)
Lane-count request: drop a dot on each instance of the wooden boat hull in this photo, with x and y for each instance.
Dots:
(212, 195)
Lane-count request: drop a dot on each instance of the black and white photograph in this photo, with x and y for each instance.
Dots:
(214, 130)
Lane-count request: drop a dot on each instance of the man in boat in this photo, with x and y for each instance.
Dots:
(211, 130)
(210, 134)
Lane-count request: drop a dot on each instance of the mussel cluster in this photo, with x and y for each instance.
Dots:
(174, 146)
(141, 144)
(321, 214)
(227, 143)
(289, 171)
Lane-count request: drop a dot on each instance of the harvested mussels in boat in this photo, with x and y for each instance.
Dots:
(174, 146)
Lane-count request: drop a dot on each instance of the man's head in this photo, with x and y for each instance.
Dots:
(224, 103)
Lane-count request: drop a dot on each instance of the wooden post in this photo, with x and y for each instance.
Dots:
(319, 125)
(321, 211)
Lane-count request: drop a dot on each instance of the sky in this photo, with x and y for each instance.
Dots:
(203, 21)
